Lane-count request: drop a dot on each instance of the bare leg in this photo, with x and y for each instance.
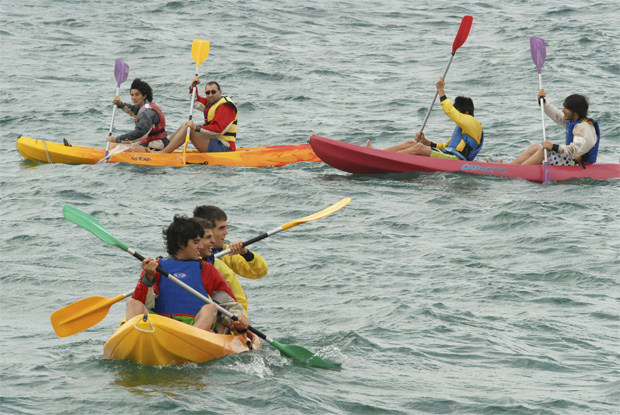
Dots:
(206, 317)
(418, 150)
(400, 148)
(176, 140)
(134, 308)
(200, 141)
(368, 144)
(536, 158)
(529, 152)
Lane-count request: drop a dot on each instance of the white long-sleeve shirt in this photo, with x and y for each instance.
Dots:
(584, 134)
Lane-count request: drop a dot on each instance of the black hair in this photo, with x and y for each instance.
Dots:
(143, 87)
(180, 231)
(213, 83)
(210, 213)
(464, 104)
(578, 104)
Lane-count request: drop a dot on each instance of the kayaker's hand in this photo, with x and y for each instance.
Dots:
(440, 87)
(541, 94)
(547, 144)
(117, 101)
(149, 265)
(111, 139)
(242, 322)
(237, 248)
(420, 138)
(189, 124)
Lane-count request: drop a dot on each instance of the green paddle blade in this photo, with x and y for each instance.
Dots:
(303, 356)
(91, 224)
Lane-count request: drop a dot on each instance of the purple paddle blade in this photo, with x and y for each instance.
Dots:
(539, 51)
(121, 72)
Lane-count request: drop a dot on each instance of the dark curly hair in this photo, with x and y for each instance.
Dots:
(180, 231)
(143, 87)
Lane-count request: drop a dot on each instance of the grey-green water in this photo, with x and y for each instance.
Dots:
(438, 293)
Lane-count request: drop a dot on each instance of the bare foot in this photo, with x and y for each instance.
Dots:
(488, 160)
(368, 144)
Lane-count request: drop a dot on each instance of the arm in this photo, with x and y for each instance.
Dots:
(226, 301)
(232, 280)
(147, 118)
(148, 278)
(221, 293)
(249, 265)
(224, 117)
(584, 138)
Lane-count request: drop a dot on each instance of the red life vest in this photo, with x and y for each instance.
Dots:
(158, 132)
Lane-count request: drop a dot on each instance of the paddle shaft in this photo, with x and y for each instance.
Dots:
(107, 147)
(428, 113)
(191, 112)
(251, 241)
(542, 112)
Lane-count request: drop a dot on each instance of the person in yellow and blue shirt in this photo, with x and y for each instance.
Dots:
(466, 140)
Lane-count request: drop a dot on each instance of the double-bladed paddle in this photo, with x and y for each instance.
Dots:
(85, 313)
(539, 55)
(121, 71)
(200, 51)
(461, 37)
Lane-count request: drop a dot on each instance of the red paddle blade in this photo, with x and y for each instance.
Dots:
(461, 36)
(539, 51)
(121, 71)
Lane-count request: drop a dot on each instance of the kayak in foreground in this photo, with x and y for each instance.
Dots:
(360, 159)
(276, 156)
(161, 340)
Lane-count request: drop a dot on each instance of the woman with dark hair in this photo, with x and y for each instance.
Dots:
(582, 135)
(150, 131)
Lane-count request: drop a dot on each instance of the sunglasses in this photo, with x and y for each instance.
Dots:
(211, 92)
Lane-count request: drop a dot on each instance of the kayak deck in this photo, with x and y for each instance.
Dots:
(362, 160)
(268, 156)
(161, 340)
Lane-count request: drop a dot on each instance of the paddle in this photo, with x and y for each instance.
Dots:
(539, 55)
(200, 51)
(85, 313)
(121, 71)
(461, 37)
(100, 306)
(318, 215)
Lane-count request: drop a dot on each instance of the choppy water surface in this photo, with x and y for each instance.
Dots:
(438, 293)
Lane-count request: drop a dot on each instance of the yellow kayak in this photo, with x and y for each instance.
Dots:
(276, 156)
(161, 340)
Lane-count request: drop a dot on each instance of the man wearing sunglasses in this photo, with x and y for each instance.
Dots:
(219, 131)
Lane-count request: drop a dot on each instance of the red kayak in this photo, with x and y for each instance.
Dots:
(359, 159)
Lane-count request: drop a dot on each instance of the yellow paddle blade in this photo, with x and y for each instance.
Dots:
(200, 51)
(82, 314)
(318, 215)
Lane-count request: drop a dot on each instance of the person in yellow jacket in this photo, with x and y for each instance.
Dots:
(241, 261)
(224, 270)
(467, 138)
